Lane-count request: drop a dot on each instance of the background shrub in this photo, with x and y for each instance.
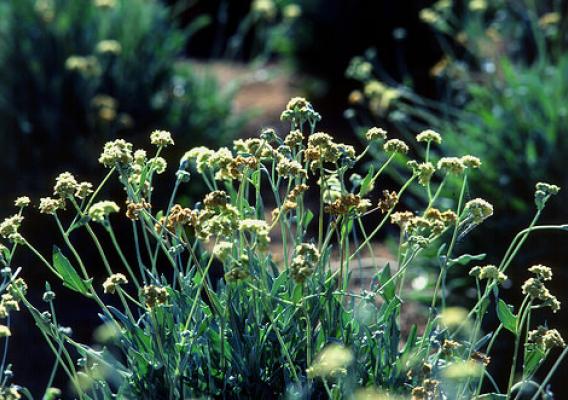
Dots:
(73, 74)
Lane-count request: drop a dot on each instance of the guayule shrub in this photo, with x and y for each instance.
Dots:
(250, 293)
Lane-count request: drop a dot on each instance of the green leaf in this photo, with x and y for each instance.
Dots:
(388, 291)
(69, 275)
(279, 282)
(465, 259)
(366, 186)
(506, 316)
(308, 218)
(534, 355)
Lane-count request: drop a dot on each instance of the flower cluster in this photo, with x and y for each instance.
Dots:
(155, 295)
(116, 153)
(490, 272)
(9, 227)
(546, 338)
(161, 138)
(306, 258)
(258, 228)
(298, 111)
(101, 210)
(112, 282)
(429, 136)
(535, 289)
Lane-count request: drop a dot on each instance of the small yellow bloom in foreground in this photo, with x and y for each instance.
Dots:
(463, 370)
(333, 360)
(452, 317)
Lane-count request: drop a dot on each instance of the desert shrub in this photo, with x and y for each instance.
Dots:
(76, 73)
(280, 316)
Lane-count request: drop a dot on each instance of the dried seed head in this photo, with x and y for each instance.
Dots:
(117, 152)
(65, 185)
(396, 146)
(161, 138)
(101, 210)
(155, 295)
(471, 161)
(113, 281)
(479, 210)
(22, 201)
(542, 272)
(452, 165)
(83, 190)
(429, 136)
(376, 134)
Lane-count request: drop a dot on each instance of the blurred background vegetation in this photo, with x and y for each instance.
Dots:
(490, 76)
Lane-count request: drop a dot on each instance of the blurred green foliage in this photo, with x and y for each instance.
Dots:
(75, 73)
(502, 87)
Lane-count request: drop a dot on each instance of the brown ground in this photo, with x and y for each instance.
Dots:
(264, 91)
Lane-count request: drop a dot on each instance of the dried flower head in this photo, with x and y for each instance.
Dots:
(49, 205)
(402, 218)
(117, 152)
(547, 339)
(133, 210)
(542, 272)
(429, 136)
(65, 185)
(259, 228)
(388, 201)
(493, 273)
(479, 210)
(159, 164)
(396, 146)
(290, 169)
(376, 134)
(10, 225)
(543, 193)
(471, 161)
(424, 171)
(84, 189)
(306, 258)
(294, 138)
(22, 201)
(215, 199)
(161, 138)
(452, 165)
(101, 210)
(113, 281)
(155, 295)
